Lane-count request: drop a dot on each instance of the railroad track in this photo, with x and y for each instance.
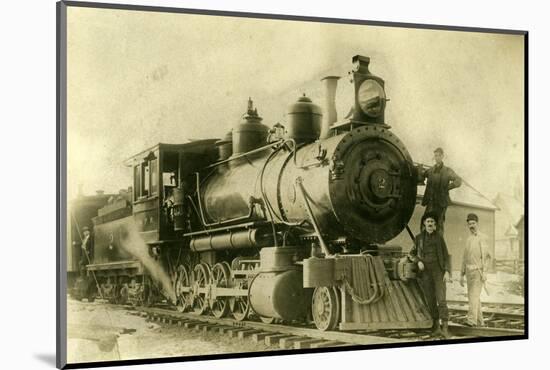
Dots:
(285, 336)
(496, 315)
(301, 337)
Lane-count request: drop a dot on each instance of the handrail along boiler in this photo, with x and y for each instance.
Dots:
(283, 224)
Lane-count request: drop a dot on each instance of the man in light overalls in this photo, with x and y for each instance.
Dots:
(475, 263)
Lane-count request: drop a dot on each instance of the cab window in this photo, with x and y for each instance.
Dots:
(145, 177)
(153, 173)
(137, 182)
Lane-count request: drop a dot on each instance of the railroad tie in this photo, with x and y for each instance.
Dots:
(285, 343)
(201, 326)
(234, 333)
(459, 318)
(306, 343)
(224, 329)
(498, 323)
(515, 323)
(272, 340)
(246, 333)
(216, 328)
(190, 324)
(326, 344)
(260, 337)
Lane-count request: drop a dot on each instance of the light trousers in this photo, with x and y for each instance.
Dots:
(475, 284)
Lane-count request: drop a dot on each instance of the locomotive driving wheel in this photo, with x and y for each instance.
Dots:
(201, 274)
(184, 296)
(220, 278)
(325, 308)
(239, 305)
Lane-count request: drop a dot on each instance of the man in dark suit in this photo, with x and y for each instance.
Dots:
(434, 269)
(439, 180)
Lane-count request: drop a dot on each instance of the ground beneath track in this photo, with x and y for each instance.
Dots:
(102, 332)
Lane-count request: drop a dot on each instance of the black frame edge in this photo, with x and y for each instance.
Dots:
(61, 191)
(526, 186)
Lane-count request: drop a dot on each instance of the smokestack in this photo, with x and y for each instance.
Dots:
(330, 116)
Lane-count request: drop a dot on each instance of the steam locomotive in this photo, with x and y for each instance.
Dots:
(286, 223)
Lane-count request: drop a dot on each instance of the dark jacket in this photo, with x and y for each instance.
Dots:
(417, 252)
(440, 179)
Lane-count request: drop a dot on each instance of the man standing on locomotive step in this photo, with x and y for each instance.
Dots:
(475, 263)
(434, 267)
(440, 179)
(86, 253)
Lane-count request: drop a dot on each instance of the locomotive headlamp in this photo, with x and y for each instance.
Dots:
(371, 98)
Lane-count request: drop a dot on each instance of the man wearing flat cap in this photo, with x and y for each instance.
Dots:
(439, 180)
(475, 263)
(434, 269)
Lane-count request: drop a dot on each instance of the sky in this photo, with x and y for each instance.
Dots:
(139, 78)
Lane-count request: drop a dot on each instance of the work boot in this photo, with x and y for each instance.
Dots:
(436, 330)
(445, 330)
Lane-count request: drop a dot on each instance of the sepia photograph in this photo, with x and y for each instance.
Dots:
(248, 184)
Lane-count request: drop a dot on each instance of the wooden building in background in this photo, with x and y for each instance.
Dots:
(464, 200)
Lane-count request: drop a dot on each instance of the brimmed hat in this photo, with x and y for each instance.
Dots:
(85, 228)
(438, 150)
(431, 215)
(472, 217)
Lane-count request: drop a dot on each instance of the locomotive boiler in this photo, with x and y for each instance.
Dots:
(283, 223)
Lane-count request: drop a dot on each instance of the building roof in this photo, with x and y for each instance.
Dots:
(192, 143)
(511, 206)
(508, 216)
(465, 196)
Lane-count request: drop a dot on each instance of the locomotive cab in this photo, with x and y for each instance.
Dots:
(158, 173)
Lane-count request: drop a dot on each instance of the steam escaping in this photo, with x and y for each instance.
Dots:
(132, 243)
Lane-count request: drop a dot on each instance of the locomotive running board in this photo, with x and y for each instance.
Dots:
(401, 307)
